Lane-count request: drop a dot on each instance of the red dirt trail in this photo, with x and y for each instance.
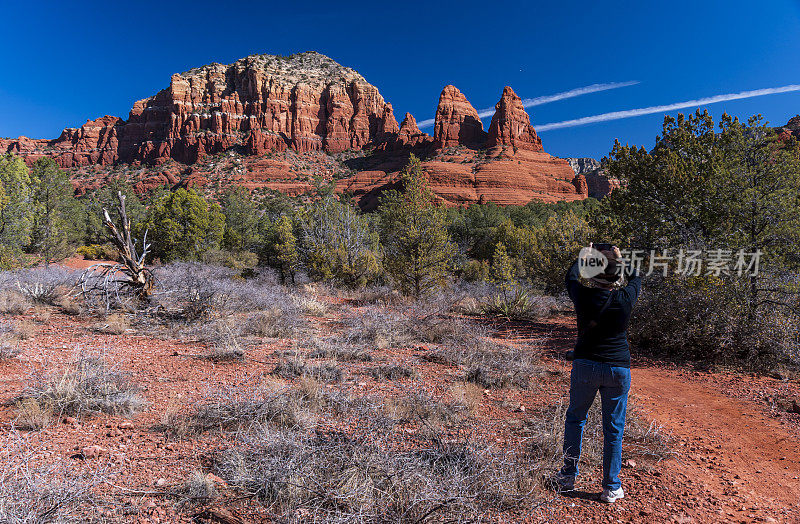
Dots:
(735, 459)
(730, 449)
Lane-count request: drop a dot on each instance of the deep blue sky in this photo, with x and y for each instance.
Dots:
(65, 62)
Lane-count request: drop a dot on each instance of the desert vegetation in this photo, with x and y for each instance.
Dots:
(365, 406)
(315, 363)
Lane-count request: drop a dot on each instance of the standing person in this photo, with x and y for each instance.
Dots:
(603, 303)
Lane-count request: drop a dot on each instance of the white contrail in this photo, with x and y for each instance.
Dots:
(539, 100)
(630, 113)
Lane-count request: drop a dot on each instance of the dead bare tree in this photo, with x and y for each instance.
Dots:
(125, 281)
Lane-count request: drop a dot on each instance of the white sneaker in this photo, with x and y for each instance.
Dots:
(611, 495)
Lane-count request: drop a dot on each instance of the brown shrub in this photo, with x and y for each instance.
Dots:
(87, 386)
(13, 302)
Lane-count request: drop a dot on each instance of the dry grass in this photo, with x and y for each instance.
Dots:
(485, 362)
(420, 406)
(41, 313)
(271, 323)
(13, 302)
(376, 327)
(334, 350)
(9, 350)
(224, 343)
(360, 476)
(311, 306)
(467, 394)
(33, 415)
(9, 341)
(382, 329)
(113, 324)
(88, 386)
(239, 406)
(11, 333)
(32, 491)
(391, 372)
(39, 285)
(24, 330)
(297, 367)
(199, 486)
(382, 295)
(69, 305)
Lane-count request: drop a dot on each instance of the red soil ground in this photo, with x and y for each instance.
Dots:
(736, 457)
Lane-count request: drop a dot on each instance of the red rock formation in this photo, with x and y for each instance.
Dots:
(599, 184)
(303, 106)
(502, 177)
(791, 129)
(388, 122)
(511, 125)
(409, 126)
(581, 186)
(409, 134)
(306, 101)
(457, 122)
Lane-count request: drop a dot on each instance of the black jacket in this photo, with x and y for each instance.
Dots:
(606, 340)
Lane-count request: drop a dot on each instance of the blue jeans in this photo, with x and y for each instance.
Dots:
(589, 377)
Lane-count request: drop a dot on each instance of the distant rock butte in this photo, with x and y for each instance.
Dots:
(309, 104)
(598, 184)
(409, 134)
(511, 125)
(583, 165)
(457, 122)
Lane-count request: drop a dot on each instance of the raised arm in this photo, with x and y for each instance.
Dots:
(634, 286)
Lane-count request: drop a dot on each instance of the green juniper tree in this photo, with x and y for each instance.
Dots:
(418, 250)
(16, 209)
(759, 178)
(669, 195)
(339, 244)
(284, 246)
(182, 225)
(55, 211)
(241, 220)
(725, 191)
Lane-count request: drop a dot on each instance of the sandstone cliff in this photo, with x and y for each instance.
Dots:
(465, 165)
(511, 125)
(264, 121)
(457, 122)
(306, 101)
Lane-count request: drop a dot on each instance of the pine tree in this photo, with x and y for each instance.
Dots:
(16, 209)
(418, 249)
(55, 217)
(285, 248)
(241, 220)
